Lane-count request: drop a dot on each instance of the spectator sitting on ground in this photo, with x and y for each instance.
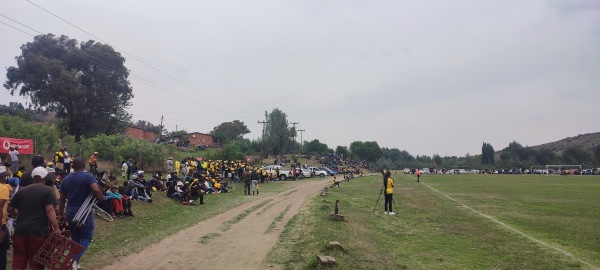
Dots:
(126, 202)
(137, 190)
(114, 199)
(175, 191)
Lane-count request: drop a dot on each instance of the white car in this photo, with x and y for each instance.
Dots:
(318, 172)
(305, 172)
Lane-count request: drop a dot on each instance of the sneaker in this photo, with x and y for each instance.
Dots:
(392, 213)
(385, 212)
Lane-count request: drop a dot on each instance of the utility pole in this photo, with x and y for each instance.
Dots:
(161, 127)
(262, 140)
(301, 141)
(294, 124)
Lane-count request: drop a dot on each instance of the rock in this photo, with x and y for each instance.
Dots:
(335, 245)
(336, 217)
(325, 206)
(326, 261)
(323, 194)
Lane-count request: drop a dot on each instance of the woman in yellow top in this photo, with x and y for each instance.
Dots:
(388, 184)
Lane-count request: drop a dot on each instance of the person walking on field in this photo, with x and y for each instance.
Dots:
(34, 207)
(93, 163)
(418, 173)
(13, 154)
(75, 189)
(388, 184)
(169, 165)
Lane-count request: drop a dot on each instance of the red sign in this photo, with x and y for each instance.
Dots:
(24, 146)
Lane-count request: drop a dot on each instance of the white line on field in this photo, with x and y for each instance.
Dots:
(566, 253)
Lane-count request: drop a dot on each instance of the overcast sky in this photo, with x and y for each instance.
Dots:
(423, 76)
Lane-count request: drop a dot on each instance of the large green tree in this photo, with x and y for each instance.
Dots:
(277, 135)
(369, 151)
(487, 154)
(229, 131)
(85, 83)
(315, 147)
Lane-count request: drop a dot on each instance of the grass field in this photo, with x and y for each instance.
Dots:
(431, 231)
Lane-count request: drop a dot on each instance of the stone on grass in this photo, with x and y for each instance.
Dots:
(326, 261)
(336, 217)
(325, 206)
(335, 245)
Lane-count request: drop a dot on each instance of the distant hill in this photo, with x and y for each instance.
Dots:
(582, 141)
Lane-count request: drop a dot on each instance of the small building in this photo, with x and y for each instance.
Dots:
(197, 139)
(138, 133)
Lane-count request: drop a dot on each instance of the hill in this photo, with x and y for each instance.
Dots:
(582, 141)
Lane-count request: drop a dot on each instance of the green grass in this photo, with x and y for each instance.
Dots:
(159, 219)
(432, 232)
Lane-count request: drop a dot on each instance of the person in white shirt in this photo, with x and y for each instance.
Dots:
(14, 159)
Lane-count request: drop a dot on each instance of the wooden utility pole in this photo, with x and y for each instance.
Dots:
(301, 141)
(262, 146)
(294, 124)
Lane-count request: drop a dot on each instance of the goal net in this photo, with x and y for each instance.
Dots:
(563, 169)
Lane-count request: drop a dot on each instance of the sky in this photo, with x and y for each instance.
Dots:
(422, 76)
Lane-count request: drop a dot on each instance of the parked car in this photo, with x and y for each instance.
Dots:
(406, 171)
(329, 171)
(283, 173)
(318, 171)
(305, 172)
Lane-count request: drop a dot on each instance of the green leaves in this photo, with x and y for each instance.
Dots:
(86, 84)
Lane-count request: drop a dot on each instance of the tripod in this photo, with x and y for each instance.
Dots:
(380, 192)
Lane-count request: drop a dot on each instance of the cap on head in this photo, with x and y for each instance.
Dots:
(3, 170)
(39, 171)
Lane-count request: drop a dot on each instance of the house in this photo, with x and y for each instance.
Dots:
(197, 138)
(138, 133)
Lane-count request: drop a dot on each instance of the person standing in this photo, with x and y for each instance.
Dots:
(254, 176)
(66, 159)
(418, 173)
(27, 178)
(34, 208)
(93, 163)
(246, 178)
(4, 198)
(75, 188)
(13, 154)
(388, 184)
(169, 164)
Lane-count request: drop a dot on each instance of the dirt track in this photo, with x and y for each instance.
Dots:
(237, 239)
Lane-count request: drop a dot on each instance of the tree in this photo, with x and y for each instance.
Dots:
(229, 131)
(315, 147)
(341, 150)
(596, 152)
(141, 124)
(278, 136)
(487, 154)
(85, 84)
(438, 160)
(369, 151)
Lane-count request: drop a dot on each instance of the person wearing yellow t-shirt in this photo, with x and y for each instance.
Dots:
(4, 197)
(388, 184)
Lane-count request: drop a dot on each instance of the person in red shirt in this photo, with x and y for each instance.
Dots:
(418, 173)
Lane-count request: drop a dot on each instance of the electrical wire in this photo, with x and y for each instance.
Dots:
(139, 60)
(134, 77)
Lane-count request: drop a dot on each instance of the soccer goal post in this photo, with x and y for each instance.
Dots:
(563, 169)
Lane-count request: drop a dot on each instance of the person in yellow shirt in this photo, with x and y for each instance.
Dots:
(4, 198)
(388, 184)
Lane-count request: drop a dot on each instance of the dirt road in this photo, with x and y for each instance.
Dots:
(237, 239)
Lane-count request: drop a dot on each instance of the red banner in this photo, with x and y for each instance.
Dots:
(24, 146)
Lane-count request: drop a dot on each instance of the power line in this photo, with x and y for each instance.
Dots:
(139, 60)
(135, 77)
